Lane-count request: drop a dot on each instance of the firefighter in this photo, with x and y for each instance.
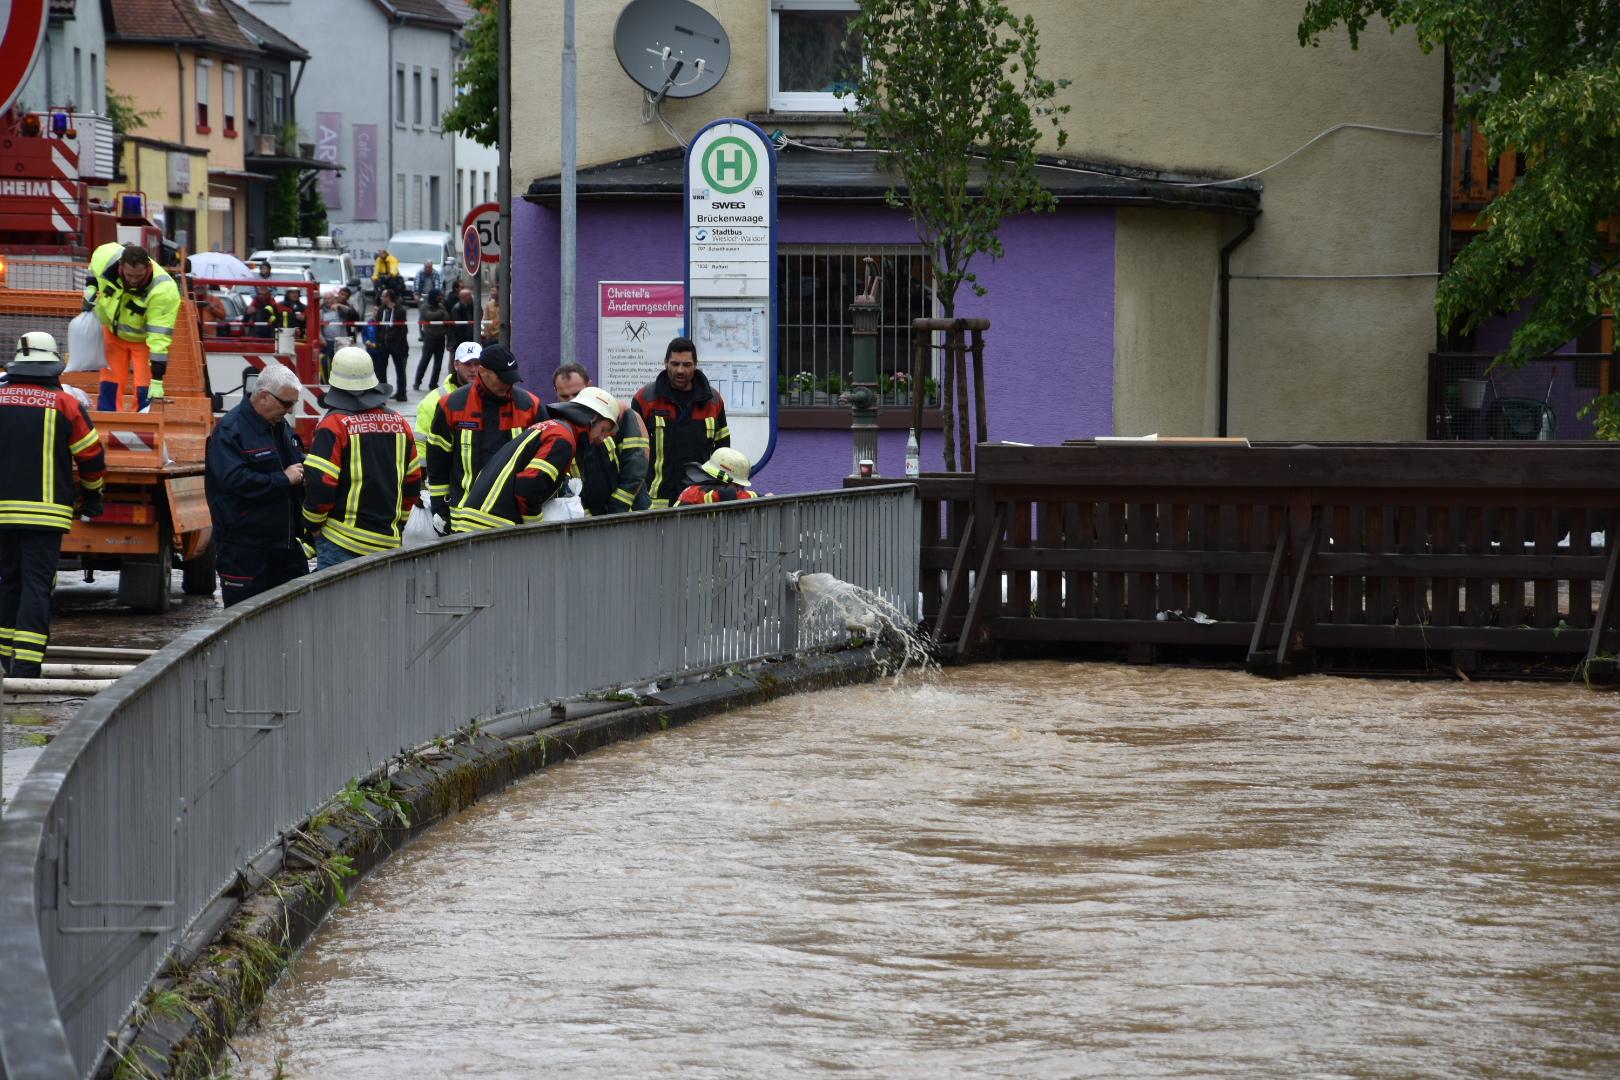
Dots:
(365, 468)
(138, 304)
(723, 478)
(614, 474)
(518, 481)
(471, 425)
(685, 419)
(463, 370)
(44, 433)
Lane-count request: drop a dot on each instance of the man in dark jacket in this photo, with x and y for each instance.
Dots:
(464, 319)
(393, 340)
(44, 434)
(254, 475)
(685, 419)
(471, 425)
(613, 473)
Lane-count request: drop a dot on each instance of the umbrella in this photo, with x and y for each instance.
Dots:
(219, 264)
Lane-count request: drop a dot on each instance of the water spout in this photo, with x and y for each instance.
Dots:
(836, 604)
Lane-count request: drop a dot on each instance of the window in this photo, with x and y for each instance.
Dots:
(417, 205)
(78, 75)
(486, 187)
(278, 100)
(810, 58)
(433, 99)
(399, 95)
(253, 98)
(96, 87)
(397, 211)
(815, 349)
(433, 203)
(203, 69)
(416, 97)
(228, 99)
(461, 207)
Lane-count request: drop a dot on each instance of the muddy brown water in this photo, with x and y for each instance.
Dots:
(1021, 870)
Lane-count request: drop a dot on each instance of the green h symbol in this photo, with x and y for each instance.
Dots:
(729, 165)
(728, 161)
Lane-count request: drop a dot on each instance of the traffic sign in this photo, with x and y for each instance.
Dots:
(472, 249)
(487, 220)
(21, 43)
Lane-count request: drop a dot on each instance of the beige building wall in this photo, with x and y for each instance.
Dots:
(1166, 291)
(1188, 87)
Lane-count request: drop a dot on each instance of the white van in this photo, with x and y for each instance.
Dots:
(328, 267)
(413, 248)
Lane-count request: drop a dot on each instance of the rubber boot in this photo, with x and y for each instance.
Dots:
(107, 398)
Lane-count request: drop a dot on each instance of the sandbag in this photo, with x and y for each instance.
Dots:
(85, 351)
(418, 528)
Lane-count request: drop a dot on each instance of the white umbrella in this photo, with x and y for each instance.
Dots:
(219, 264)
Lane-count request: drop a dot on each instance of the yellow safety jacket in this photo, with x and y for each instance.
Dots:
(145, 315)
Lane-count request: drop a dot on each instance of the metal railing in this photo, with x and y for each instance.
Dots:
(146, 806)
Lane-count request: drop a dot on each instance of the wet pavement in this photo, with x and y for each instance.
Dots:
(1013, 870)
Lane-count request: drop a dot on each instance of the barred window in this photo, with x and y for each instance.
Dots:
(816, 283)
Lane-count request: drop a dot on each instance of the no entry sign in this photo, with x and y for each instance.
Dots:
(20, 45)
(472, 249)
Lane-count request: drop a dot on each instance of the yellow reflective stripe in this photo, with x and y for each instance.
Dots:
(36, 655)
(658, 459)
(357, 479)
(28, 637)
(505, 477)
(467, 474)
(95, 485)
(626, 497)
(399, 464)
(438, 489)
(360, 541)
(660, 504)
(85, 443)
(5, 650)
(5, 633)
(723, 433)
(321, 465)
(438, 440)
(47, 461)
(635, 442)
(470, 519)
(313, 518)
(545, 466)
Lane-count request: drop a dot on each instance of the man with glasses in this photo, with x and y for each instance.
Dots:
(254, 484)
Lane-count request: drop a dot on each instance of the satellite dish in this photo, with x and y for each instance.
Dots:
(673, 48)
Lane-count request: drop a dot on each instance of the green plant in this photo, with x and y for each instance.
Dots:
(1607, 410)
(476, 111)
(124, 116)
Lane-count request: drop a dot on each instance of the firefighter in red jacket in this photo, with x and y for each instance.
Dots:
(363, 474)
(471, 425)
(44, 433)
(723, 478)
(685, 419)
(514, 487)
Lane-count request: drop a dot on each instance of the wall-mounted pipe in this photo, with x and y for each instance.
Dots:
(1226, 319)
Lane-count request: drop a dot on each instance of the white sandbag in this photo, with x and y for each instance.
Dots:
(85, 352)
(418, 528)
(562, 508)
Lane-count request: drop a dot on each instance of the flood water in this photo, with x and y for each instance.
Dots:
(1019, 870)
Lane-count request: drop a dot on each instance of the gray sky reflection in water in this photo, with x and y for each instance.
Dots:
(1020, 870)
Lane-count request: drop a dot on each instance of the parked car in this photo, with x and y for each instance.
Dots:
(329, 268)
(414, 247)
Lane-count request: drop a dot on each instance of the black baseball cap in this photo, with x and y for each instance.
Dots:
(499, 359)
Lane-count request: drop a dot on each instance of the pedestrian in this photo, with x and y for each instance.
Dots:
(491, 326)
(471, 425)
(337, 324)
(431, 316)
(253, 480)
(263, 314)
(138, 304)
(45, 433)
(514, 486)
(292, 311)
(428, 279)
(385, 271)
(368, 468)
(613, 472)
(685, 418)
(209, 308)
(393, 340)
(723, 478)
(463, 319)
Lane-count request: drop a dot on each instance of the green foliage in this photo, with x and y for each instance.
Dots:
(312, 209)
(949, 89)
(284, 203)
(1606, 408)
(124, 116)
(475, 112)
(1541, 77)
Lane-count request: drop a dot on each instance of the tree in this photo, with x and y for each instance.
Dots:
(1542, 77)
(476, 112)
(948, 90)
(311, 207)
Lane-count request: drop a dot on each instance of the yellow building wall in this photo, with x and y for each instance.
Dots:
(146, 168)
(1184, 86)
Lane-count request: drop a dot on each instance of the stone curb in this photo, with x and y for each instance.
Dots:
(218, 976)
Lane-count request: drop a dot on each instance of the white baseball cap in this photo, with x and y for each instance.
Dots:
(468, 352)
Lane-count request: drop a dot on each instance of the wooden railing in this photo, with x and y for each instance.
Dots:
(1279, 551)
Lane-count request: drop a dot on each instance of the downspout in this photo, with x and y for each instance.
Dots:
(180, 76)
(1442, 334)
(1226, 318)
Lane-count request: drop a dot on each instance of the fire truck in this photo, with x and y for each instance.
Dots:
(156, 515)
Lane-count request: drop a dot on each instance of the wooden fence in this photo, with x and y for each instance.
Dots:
(1282, 551)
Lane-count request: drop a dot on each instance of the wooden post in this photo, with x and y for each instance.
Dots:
(958, 344)
(978, 385)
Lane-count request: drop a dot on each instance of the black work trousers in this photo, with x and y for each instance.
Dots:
(27, 575)
(246, 571)
(432, 349)
(380, 355)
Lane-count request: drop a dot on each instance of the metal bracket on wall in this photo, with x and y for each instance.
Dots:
(64, 886)
(430, 604)
(214, 697)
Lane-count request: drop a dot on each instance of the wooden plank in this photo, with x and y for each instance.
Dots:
(953, 584)
(1606, 604)
(1408, 609)
(1291, 621)
(1019, 538)
(1545, 589)
(1443, 522)
(1050, 535)
(1118, 631)
(1079, 531)
(1264, 610)
(1478, 594)
(1142, 562)
(1509, 589)
(1580, 590)
(1373, 564)
(1339, 539)
(985, 581)
(1180, 594)
(1442, 638)
(1111, 586)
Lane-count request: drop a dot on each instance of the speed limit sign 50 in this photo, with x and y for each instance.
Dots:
(486, 220)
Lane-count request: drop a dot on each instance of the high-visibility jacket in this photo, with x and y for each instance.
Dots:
(382, 267)
(613, 473)
(148, 314)
(44, 432)
(679, 435)
(514, 486)
(362, 477)
(716, 492)
(469, 426)
(430, 402)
